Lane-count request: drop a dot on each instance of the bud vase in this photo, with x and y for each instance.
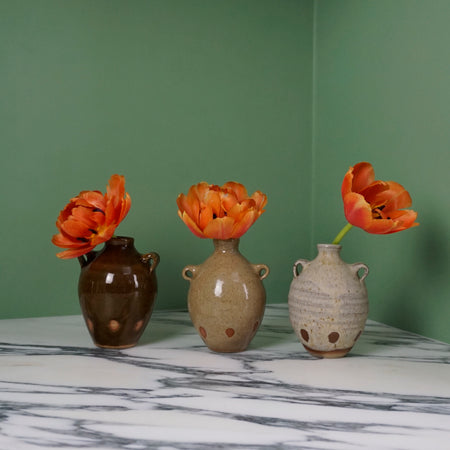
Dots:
(226, 298)
(117, 290)
(328, 303)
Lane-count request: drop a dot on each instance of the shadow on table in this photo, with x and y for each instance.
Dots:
(164, 328)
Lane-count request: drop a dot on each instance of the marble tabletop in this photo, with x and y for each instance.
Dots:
(58, 391)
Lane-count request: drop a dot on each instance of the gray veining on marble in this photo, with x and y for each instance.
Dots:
(58, 391)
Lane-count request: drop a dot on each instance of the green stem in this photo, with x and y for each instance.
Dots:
(342, 233)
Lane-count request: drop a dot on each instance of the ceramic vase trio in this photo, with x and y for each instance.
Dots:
(328, 303)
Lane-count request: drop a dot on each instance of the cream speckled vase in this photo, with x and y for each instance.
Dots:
(328, 303)
(226, 298)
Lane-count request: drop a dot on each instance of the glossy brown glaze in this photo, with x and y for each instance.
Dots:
(117, 290)
(226, 298)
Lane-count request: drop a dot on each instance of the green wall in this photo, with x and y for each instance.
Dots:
(168, 93)
(382, 95)
(280, 95)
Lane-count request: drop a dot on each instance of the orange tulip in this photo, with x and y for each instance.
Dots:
(216, 212)
(91, 218)
(375, 206)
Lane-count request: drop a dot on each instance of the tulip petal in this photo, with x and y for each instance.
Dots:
(104, 234)
(220, 228)
(118, 202)
(363, 175)
(347, 182)
(206, 215)
(238, 211)
(191, 225)
(229, 200)
(92, 199)
(397, 197)
(260, 201)
(77, 229)
(238, 189)
(88, 216)
(404, 219)
(357, 211)
(74, 253)
(115, 190)
(381, 226)
(374, 194)
(213, 201)
(126, 205)
(241, 227)
(357, 178)
(199, 191)
(63, 241)
(190, 205)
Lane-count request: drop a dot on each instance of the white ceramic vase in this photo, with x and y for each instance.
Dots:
(328, 302)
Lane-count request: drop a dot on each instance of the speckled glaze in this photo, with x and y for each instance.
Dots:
(117, 290)
(226, 298)
(328, 303)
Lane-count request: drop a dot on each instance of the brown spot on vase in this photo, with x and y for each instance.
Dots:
(305, 334)
(138, 325)
(333, 337)
(358, 335)
(256, 325)
(114, 325)
(202, 332)
(229, 332)
(90, 325)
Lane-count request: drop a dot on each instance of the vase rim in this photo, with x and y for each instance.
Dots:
(120, 240)
(337, 246)
(226, 240)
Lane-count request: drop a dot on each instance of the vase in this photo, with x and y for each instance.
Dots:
(328, 302)
(117, 290)
(226, 298)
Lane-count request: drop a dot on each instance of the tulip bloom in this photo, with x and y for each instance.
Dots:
(223, 212)
(91, 218)
(373, 205)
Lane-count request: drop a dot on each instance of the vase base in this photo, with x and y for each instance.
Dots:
(115, 347)
(228, 350)
(330, 354)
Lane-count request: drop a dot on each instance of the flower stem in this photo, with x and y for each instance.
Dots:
(342, 233)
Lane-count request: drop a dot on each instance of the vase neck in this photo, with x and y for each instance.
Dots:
(226, 245)
(120, 241)
(329, 251)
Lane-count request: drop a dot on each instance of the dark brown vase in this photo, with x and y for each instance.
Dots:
(117, 290)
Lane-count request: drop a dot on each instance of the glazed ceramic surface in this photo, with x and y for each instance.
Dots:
(117, 290)
(226, 298)
(328, 303)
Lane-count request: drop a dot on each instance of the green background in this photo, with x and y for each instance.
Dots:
(280, 95)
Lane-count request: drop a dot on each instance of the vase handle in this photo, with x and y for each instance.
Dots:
(303, 263)
(85, 259)
(357, 267)
(153, 257)
(189, 272)
(262, 270)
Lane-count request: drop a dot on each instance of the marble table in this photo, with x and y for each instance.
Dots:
(58, 391)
